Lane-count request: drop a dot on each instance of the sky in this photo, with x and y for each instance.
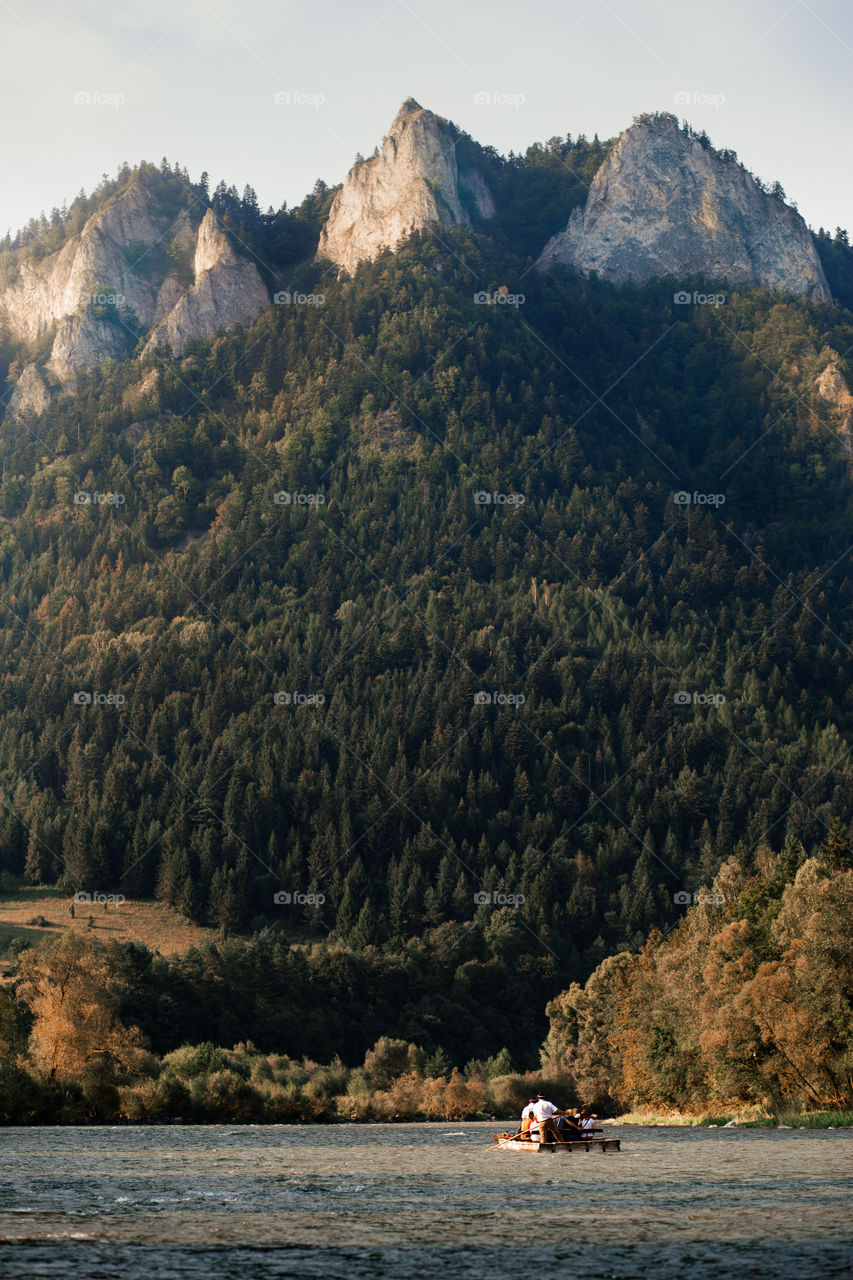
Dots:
(277, 93)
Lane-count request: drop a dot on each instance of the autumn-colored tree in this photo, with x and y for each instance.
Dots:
(69, 988)
(581, 1040)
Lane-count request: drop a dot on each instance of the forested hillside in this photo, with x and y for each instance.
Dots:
(298, 509)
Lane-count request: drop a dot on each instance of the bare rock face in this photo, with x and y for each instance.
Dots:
(83, 340)
(102, 258)
(31, 395)
(114, 278)
(832, 388)
(413, 183)
(227, 290)
(663, 204)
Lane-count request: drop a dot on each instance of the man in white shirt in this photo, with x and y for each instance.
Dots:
(544, 1110)
(527, 1117)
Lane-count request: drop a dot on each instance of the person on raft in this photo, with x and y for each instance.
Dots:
(538, 1122)
(527, 1117)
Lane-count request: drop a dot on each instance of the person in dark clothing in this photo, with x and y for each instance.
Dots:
(567, 1128)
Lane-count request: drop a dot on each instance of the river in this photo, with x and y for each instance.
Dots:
(421, 1201)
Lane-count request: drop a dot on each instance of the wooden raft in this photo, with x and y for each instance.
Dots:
(570, 1147)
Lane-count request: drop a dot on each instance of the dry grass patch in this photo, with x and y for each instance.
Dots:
(35, 913)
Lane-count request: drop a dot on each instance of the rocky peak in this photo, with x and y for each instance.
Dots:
(212, 249)
(113, 279)
(413, 183)
(663, 203)
(227, 290)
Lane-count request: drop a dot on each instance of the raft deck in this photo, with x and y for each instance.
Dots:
(569, 1147)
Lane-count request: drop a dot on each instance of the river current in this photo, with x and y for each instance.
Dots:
(421, 1201)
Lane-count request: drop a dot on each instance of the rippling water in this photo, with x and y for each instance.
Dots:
(421, 1200)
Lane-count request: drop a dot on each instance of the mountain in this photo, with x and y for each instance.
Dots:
(441, 647)
(157, 264)
(665, 203)
(414, 182)
(137, 264)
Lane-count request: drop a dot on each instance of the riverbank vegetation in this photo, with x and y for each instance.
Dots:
(748, 1001)
(748, 1118)
(68, 1056)
(743, 1013)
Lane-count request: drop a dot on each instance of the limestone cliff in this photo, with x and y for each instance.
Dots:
(134, 265)
(664, 204)
(31, 394)
(413, 183)
(227, 290)
(832, 388)
(110, 257)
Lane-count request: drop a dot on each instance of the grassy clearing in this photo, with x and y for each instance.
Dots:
(36, 913)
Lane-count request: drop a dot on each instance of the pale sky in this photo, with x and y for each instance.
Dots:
(196, 80)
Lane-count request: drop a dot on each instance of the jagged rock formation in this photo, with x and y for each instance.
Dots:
(47, 290)
(31, 394)
(227, 290)
(127, 270)
(664, 204)
(834, 391)
(413, 183)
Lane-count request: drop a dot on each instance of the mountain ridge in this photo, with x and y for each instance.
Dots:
(132, 270)
(665, 203)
